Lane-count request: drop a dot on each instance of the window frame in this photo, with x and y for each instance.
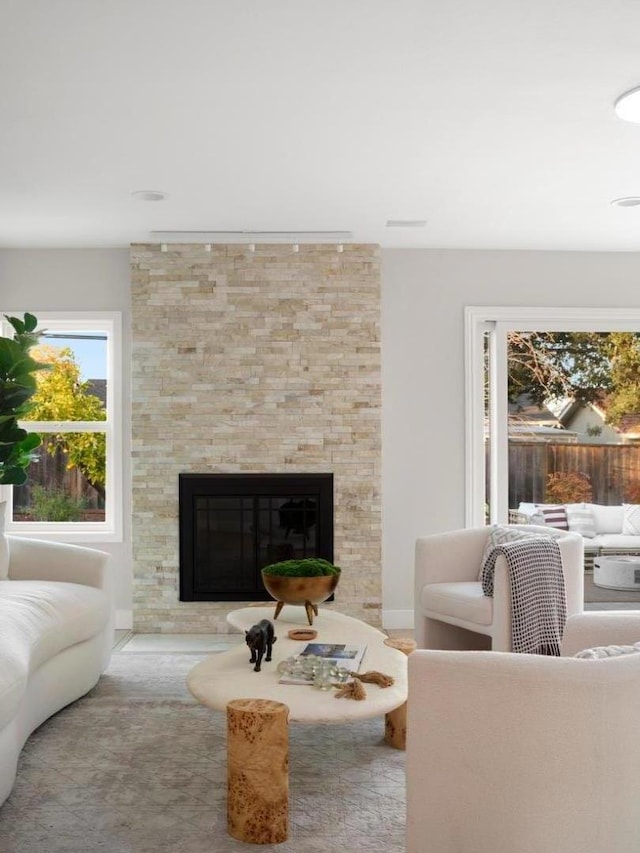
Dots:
(497, 321)
(111, 529)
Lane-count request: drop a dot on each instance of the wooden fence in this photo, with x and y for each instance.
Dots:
(50, 472)
(611, 469)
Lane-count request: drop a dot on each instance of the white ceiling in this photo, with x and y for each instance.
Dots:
(493, 121)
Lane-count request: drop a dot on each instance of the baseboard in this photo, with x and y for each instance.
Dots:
(390, 619)
(124, 620)
(397, 619)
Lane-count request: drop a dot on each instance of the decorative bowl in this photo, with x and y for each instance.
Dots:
(308, 591)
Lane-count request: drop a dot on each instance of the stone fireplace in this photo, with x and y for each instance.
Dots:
(254, 363)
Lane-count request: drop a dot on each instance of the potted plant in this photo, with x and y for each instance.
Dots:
(308, 581)
(17, 386)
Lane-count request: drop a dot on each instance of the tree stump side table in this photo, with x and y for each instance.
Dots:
(395, 722)
(258, 770)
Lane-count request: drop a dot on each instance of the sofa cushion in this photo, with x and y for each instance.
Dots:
(608, 519)
(464, 601)
(581, 520)
(38, 619)
(4, 545)
(618, 540)
(527, 509)
(631, 519)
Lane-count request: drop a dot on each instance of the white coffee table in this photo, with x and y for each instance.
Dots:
(224, 677)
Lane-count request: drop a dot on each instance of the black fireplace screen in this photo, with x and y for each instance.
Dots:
(231, 525)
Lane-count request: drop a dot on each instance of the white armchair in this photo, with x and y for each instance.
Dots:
(451, 611)
(512, 753)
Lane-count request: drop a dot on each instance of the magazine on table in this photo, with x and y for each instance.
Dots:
(344, 655)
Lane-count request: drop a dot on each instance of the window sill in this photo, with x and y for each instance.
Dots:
(88, 534)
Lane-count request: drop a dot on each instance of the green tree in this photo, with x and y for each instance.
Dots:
(584, 366)
(62, 396)
(559, 364)
(623, 349)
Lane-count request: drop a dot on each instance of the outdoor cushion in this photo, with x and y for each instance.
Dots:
(608, 519)
(617, 540)
(527, 508)
(581, 520)
(554, 515)
(631, 520)
(464, 601)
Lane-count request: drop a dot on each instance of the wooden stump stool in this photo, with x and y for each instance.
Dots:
(395, 722)
(258, 770)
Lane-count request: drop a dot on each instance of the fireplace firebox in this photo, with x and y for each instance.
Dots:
(231, 525)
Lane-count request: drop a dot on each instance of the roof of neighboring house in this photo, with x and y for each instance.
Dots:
(98, 387)
(629, 424)
(528, 421)
(527, 413)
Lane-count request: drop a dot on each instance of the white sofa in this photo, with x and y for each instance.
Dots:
(521, 753)
(56, 634)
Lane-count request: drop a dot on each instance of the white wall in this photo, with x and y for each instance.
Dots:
(424, 293)
(78, 280)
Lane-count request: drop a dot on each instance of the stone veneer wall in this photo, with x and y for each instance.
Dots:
(254, 362)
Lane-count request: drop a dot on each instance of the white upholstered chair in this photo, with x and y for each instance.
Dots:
(451, 611)
(518, 753)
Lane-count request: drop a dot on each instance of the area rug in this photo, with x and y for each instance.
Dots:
(137, 766)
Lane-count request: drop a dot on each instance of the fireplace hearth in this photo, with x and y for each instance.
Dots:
(231, 525)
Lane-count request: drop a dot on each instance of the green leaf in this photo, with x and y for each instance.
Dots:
(17, 323)
(30, 322)
(13, 476)
(31, 441)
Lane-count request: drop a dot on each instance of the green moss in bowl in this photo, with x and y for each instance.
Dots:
(309, 567)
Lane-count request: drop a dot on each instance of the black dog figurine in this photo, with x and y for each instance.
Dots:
(260, 639)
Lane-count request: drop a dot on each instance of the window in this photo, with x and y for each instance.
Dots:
(487, 332)
(74, 487)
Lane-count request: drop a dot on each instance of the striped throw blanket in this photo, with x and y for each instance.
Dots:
(538, 599)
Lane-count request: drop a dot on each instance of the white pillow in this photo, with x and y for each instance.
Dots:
(631, 520)
(608, 518)
(599, 652)
(4, 545)
(581, 520)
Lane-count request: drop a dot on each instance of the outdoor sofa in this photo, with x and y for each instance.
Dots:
(609, 533)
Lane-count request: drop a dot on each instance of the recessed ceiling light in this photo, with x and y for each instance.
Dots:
(627, 106)
(628, 201)
(149, 195)
(406, 223)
